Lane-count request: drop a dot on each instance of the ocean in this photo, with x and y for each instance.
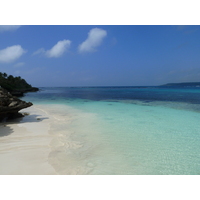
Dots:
(123, 130)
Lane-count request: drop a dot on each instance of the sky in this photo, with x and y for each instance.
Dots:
(97, 55)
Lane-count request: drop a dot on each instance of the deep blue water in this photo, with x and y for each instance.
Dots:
(146, 94)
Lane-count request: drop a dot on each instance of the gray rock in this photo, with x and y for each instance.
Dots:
(13, 103)
(10, 105)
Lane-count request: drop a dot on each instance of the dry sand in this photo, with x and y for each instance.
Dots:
(25, 144)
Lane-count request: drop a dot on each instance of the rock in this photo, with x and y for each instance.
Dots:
(20, 93)
(14, 103)
(17, 93)
(10, 105)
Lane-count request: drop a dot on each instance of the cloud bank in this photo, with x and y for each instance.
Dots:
(11, 54)
(56, 51)
(95, 38)
(4, 28)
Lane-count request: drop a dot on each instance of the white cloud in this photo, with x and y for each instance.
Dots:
(56, 51)
(11, 54)
(8, 27)
(95, 38)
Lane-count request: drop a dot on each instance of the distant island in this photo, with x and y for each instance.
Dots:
(184, 84)
(17, 86)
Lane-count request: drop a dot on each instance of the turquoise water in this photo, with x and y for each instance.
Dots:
(125, 130)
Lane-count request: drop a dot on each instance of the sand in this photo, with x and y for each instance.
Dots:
(25, 144)
(58, 140)
(42, 143)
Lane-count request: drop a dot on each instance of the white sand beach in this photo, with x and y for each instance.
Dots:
(25, 144)
(46, 142)
(41, 143)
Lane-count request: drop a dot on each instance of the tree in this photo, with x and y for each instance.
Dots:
(12, 83)
(5, 75)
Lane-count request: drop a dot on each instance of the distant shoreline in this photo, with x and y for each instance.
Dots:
(188, 84)
(192, 84)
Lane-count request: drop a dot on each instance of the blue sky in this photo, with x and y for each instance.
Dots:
(101, 55)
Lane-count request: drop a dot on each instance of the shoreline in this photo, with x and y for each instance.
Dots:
(55, 140)
(43, 143)
(25, 144)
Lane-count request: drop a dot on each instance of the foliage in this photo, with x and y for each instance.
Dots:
(12, 83)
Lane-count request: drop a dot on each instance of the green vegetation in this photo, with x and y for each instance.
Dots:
(12, 83)
(15, 85)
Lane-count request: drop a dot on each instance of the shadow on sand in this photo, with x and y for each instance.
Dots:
(6, 130)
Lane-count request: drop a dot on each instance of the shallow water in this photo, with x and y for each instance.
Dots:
(123, 130)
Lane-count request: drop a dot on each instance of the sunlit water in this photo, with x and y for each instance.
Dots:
(123, 130)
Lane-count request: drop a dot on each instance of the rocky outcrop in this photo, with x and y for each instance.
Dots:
(11, 105)
(20, 93)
